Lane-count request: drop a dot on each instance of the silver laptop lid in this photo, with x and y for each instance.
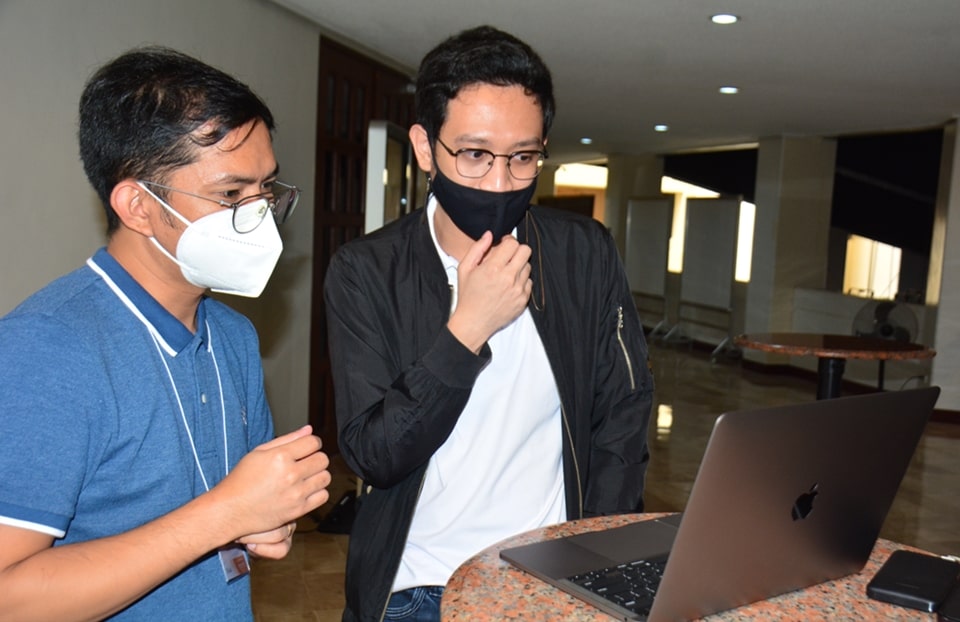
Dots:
(789, 496)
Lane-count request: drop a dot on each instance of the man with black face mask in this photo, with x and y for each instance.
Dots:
(489, 366)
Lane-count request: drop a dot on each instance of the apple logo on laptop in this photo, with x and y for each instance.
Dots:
(804, 503)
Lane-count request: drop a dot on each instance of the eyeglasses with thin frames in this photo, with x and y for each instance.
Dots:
(250, 211)
(473, 162)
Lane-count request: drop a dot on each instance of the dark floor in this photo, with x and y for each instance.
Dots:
(691, 392)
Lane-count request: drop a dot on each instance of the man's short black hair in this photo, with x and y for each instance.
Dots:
(144, 114)
(480, 55)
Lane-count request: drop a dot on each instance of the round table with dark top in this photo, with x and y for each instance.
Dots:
(833, 351)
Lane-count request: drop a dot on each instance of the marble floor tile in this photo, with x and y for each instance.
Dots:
(691, 392)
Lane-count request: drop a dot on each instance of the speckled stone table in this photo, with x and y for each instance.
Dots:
(486, 588)
(833, 351)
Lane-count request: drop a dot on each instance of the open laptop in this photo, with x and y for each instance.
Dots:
(785, 497)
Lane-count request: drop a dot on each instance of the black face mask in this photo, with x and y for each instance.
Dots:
(475, 211)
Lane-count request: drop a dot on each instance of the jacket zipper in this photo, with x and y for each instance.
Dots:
(573, 454)
(623, 346)
(383, 612)
(423, 479)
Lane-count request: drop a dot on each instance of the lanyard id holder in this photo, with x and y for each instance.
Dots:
(234, 561)
(233, 558)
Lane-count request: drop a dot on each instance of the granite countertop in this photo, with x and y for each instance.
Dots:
(488, 588)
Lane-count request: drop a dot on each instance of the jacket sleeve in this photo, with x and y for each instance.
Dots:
(395, 406)
(623, 399)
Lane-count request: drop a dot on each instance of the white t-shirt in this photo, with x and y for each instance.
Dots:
(501, 471)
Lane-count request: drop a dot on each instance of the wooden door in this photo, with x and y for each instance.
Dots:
(353, 89)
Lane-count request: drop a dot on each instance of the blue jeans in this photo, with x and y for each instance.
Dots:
(418, 604)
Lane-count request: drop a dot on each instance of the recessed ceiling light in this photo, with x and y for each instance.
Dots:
(586, 141)
(660, 127)
(724, 18)
(729, 90)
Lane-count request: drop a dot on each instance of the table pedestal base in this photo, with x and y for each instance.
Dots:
(829, 377)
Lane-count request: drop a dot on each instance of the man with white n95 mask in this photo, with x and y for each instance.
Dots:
(139, 466)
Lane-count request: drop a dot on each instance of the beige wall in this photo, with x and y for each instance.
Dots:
(52, 220)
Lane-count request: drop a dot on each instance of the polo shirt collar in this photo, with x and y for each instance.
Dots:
(170, 332)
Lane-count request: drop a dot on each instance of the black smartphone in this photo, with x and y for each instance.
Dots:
(914, 580)
(949, 610)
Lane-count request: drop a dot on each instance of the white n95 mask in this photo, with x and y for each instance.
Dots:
(211, 254)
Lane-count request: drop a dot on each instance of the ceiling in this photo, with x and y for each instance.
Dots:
(810, 67)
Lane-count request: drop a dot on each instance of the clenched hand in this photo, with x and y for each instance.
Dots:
(493, 289)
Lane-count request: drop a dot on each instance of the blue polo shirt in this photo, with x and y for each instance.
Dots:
(100, 385)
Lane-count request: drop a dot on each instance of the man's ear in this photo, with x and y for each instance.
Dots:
(421, 147)
(133, 206)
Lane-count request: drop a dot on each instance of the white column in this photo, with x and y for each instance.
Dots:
(628, 176)
(793, 198)
(944, 282)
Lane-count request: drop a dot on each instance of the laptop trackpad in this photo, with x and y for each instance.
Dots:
(565, 557)
(553, 559)
(643, 540)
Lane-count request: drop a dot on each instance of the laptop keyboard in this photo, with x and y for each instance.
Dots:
(630, 585)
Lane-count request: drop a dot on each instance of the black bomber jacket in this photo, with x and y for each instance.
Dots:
(401, 378)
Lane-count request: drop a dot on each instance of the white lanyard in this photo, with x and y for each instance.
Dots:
(167, 348)
(183, 414)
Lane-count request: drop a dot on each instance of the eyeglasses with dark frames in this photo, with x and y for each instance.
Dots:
(250, 211)
(473, 162)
